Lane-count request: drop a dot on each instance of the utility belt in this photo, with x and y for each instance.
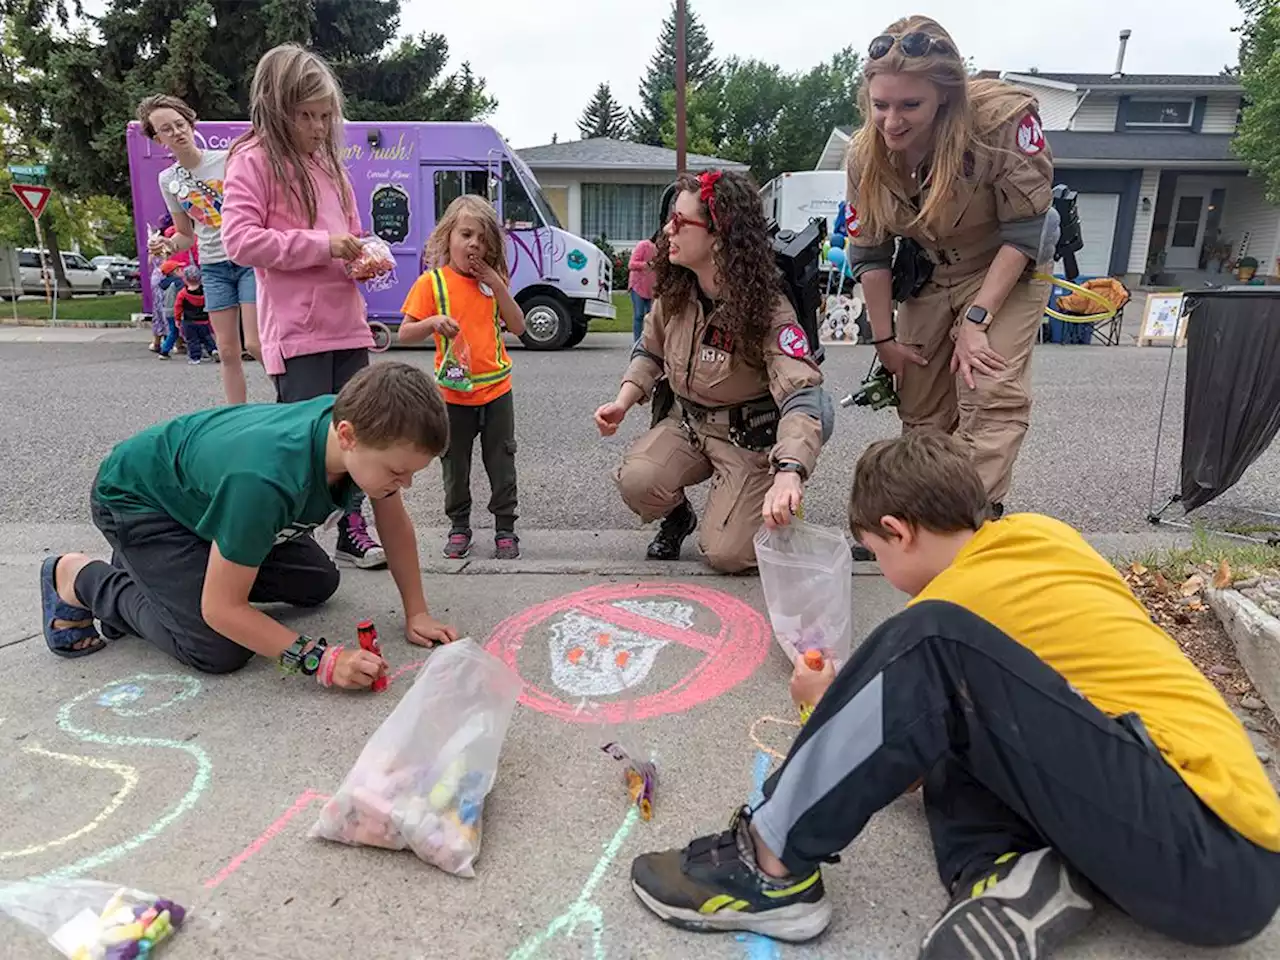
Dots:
(752, 425)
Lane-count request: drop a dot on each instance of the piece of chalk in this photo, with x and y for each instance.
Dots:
(813, 659)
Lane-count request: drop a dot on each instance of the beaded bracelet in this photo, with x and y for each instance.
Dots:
(324, 676)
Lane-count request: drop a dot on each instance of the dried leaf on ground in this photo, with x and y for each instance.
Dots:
(1192, 585)
(1137, 569)
(1222, 579)
(1162, 584)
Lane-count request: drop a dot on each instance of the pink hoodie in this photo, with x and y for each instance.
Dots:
(306, 302)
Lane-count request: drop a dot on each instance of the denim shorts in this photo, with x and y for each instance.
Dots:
(227, 285)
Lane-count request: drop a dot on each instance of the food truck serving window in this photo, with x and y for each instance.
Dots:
(451, 184)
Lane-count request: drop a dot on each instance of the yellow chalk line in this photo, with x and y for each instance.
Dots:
(126, 773)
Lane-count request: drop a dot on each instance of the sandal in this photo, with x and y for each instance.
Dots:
(65, 625)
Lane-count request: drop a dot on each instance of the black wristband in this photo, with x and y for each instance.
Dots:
(892, 336)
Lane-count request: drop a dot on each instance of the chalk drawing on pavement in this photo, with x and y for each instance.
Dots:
(119, 698)
(606, 639)
(583, 910)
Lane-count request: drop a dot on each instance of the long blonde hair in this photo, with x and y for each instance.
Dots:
(286, 77)
(436, 253)
(971, 110)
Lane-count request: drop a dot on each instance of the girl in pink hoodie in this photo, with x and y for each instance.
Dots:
(289, 211)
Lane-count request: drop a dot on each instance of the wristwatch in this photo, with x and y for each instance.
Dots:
(304, 655)
(978, 315)
(790, 466)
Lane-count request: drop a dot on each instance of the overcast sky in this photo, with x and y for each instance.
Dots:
(542, 60)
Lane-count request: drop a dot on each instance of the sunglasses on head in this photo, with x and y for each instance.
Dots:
(911, 44)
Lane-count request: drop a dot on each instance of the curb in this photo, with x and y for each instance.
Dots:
(1256, 637)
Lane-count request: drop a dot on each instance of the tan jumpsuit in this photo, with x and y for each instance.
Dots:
(1006, 200)
(710, 375)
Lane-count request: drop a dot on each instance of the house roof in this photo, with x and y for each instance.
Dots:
(607, 153)
(1158, 149)
(1132, 80)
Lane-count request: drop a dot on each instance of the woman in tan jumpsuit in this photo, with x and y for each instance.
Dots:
(748, 406)
(960, 167)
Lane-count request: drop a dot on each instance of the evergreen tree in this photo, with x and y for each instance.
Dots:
(603, 117)
(701, 71)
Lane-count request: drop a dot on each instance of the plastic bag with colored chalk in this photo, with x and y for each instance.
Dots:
(422, 779)
(91, 920)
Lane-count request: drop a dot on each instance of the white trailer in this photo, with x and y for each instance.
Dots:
(793, 199)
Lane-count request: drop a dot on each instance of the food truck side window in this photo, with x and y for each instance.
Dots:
(451, 184)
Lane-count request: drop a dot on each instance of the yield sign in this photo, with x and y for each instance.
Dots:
(33, 197)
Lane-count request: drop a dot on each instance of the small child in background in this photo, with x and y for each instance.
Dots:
(190, 313)
(463, 301)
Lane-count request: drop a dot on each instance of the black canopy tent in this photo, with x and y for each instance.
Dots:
(1231, 408)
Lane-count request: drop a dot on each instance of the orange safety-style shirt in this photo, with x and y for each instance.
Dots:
(447, 292)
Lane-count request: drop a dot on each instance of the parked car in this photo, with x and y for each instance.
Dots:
(125, 274)
(83, 276)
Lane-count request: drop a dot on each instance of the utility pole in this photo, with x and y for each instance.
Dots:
(680, 84)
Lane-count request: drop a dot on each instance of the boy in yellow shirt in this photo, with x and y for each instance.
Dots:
(1068, 749)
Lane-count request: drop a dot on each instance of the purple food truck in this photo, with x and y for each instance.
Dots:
(405, 175)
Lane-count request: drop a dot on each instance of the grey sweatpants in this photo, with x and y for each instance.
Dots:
(153, 585)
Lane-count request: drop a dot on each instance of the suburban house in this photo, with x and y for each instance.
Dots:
(1162, 198)
(610, 187)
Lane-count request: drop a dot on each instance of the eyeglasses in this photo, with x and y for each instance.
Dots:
(178, 126)
(912, 45)
(678, 221)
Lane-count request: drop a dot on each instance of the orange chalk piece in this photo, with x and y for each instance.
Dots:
(622, 657)
(602, 639)
(813, 659)
(575, 655)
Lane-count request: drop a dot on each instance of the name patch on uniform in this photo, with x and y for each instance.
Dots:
(793, 342)
(712, 355)
(718, 337)
(1030, 134)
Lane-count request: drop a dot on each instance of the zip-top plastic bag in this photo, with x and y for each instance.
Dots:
(91, 920)
(807, 575)
(422, 779)
(455, 365)
(375, 267)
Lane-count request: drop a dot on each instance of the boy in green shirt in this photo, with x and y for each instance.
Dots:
(212, 512)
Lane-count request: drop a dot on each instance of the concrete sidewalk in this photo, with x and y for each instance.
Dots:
(126, 767)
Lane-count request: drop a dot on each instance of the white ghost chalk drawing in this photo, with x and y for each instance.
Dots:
(591, 657)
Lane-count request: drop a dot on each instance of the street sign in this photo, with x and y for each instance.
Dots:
(33, 173)
(32, 196)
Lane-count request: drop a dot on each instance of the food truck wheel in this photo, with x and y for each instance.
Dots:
(381, 336)
(579, 331)
(547, 323)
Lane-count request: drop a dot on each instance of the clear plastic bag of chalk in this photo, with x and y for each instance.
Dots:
(421, 781)
(92, 920)
(806, 572)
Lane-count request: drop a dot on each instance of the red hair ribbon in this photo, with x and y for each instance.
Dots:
(707, 183)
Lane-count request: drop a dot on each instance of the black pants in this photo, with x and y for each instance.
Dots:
(495, 423)
(316, 374)
(153, 585)
(1013, 760)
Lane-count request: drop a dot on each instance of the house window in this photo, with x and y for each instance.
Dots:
(621, 212)
(1159, 113)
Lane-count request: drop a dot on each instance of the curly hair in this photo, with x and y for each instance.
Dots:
(750, 282)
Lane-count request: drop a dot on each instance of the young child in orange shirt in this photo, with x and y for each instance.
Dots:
(463, 301)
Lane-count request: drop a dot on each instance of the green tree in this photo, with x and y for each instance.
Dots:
(1258, 138)
(823, 97)
(703, 120)
(603, 116)
(205, 51)
(660, 77)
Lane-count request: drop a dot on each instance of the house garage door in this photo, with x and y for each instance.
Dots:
(1098, 227)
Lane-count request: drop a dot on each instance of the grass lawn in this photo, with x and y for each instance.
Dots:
(619, 324)
(114, 309)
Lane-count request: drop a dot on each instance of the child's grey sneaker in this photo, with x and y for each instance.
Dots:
(1024, 906)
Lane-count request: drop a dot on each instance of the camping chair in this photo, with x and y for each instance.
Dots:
(1093, 309)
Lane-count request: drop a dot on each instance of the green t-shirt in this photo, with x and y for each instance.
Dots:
(245, 477)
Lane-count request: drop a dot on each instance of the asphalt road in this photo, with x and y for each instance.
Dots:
(1087, 459)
